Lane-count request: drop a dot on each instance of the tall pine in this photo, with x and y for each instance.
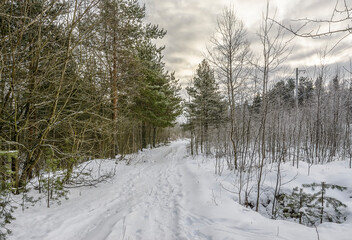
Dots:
(206, 108)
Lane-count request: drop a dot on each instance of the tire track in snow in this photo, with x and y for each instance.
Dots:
(143, 202)
(152, 196)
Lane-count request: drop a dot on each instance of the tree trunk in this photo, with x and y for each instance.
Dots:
(144, 135)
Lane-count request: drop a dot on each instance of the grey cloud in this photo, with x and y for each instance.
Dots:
(190, 24)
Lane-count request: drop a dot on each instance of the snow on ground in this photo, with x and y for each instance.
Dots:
(164, 194)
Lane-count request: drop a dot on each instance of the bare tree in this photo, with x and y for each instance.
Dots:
(275, 50)
(337, 24)
(229, 53)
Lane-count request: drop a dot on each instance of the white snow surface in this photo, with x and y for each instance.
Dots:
(166, 194)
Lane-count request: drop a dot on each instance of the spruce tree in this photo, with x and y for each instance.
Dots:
(313, 208)
(324, 208)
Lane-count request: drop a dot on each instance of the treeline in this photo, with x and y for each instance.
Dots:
(79, 79)
(312, 126)
(239, 115)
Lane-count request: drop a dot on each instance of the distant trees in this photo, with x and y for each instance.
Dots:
(281, 94)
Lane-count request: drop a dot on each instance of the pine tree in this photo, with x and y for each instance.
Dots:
(256, 105)
(305, 90)
(282, 93)
(206, 107)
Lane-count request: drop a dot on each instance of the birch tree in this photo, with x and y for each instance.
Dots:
(229, 54)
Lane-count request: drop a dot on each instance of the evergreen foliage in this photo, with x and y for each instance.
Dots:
(6, 210)
(305, 90)
(206, 108)
(78, 80)
(6, 207)
(282, 93)
(313, 208)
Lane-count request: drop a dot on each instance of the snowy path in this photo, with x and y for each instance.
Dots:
(162, 195)
(144, 201)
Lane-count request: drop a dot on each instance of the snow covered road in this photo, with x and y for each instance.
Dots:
(162, 195)
(144, 201)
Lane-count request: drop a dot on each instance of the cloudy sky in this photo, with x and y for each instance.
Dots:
(191, 23)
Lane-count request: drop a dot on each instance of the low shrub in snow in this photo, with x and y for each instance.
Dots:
(311, 208)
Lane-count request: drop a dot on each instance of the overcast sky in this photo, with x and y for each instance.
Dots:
(191, 23)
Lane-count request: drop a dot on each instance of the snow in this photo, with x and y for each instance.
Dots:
(166, 194)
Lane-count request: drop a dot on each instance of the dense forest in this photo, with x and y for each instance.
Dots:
(78, 80)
